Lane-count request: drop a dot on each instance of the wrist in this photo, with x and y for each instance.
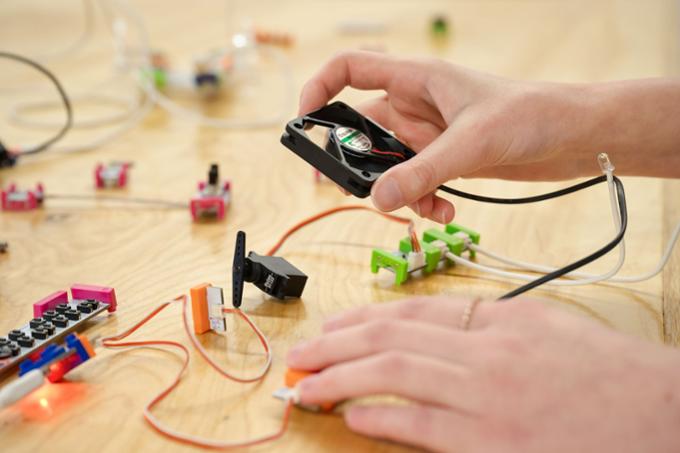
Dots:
(634, 121)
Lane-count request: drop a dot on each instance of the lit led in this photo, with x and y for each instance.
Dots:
(239, 40)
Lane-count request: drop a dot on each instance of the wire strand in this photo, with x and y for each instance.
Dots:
(62, 93)
(670, 245)
(201, 350)
(329, 212)
(621, 198)
(118, 199)
(623, 213)
(115, 342)
(130, 14)
(525, 200)
(587, 279)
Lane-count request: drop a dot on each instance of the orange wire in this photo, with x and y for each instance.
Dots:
(388, 153)
(114, 342)
(212, 363)
(328, 212)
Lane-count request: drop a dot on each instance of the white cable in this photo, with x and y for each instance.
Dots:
(80, 41)
(17, 389)
(517, 276)
(221, 123)
(123, 109)
(622, 279)
(105, 138)
(135, 113)
(132, 121)
(588, 278)
(229, 123)
(659, 267)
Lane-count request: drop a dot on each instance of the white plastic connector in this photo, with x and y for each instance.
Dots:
(441, 245)
(14, 391)
(416, 260)
(465, 237)
(605, 164)
(288, 394)
(215, 300)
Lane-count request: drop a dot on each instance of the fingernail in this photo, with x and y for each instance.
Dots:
(387, 194)
(307, 385)
(441, 216)
(303, 388)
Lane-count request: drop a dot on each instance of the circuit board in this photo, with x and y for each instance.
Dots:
(56, 318)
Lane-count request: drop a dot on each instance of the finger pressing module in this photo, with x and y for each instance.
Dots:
(375, 337)
(406, 375)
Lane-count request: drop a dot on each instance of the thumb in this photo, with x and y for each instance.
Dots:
(447, 157)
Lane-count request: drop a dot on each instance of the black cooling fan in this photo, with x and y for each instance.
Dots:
(357, 150)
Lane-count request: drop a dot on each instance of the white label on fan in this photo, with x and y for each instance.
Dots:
(353, 139)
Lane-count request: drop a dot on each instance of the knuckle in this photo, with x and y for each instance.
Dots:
(392, 363)
(378, 333)
(423, 175)
(339, 55)
(342, 55)
(412, 308)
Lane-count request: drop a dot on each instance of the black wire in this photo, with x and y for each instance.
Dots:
(524, 200)
(62, 93)
(623, 213)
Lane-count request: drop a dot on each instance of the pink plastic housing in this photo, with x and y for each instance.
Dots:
(99, 181)
(49, 302)
(199, 205)
(33, 199)
(99, 293)
(216, 203)
(122, 177)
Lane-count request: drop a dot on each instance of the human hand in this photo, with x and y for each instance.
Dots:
(523, 378)
(468, 124)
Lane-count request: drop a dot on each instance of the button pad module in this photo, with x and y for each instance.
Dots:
(54, 317)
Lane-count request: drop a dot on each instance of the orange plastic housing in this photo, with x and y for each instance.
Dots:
(292, 378)
(199, 308)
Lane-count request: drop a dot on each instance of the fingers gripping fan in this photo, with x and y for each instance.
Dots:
(357, 150)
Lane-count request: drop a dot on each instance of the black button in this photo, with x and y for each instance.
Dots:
(14, 348)
(60, 321)
(49, 327)
(85, 307)
(73, 315)
(61, 308)
(39, 333)
(26, 342)
(15, 334)
(36, 322)
(4, 341)
(49, 315)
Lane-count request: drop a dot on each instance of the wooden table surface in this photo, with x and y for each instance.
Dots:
(151, 255)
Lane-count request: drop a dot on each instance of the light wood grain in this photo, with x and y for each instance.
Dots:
(152, 255)
(671, 282)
